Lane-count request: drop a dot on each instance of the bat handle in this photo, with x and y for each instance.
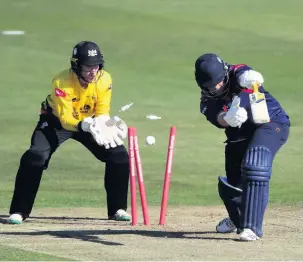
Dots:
(256, 87)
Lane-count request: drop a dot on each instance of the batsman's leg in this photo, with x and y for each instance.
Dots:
(231, 197)
(229, 188)
(256, 173)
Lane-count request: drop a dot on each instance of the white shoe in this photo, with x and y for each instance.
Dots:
(121, 215)
(248, 235)
(226, 226)
(15, 219)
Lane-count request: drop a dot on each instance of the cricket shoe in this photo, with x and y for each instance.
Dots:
(248, 235)
(15, 219)
(120, 215)
(226, 226)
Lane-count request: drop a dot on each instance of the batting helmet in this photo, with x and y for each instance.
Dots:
(209, 71)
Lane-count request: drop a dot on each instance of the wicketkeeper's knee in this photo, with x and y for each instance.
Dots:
(35, 158)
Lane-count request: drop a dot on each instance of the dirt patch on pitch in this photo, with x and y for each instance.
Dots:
(80, 234)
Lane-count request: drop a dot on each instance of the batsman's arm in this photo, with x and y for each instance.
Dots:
(212, 112)
(240, 69)
(220, 119)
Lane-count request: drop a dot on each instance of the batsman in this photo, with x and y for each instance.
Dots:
(77, 108)
(256, 126)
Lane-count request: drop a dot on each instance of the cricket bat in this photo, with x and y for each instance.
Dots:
(258, 106)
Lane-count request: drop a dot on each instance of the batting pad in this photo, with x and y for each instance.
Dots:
(256, 172)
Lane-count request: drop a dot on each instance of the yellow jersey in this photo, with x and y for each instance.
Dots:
(70, 103)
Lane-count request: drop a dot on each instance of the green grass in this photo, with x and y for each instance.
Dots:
(150, 48)
(14, 254)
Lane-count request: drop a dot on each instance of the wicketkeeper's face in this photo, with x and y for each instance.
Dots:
(89, 73)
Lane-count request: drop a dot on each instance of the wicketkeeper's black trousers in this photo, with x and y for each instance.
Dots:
(46, 138)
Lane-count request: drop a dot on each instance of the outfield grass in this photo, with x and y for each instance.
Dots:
(15, 254)
(150, 48)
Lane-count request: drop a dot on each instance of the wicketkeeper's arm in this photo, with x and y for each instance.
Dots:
(63, 110)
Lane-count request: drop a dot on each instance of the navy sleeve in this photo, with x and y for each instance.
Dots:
(211, 109)
(239, 69)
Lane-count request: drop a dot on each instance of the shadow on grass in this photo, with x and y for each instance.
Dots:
(58, 220)
(3, 218)
(95, 235)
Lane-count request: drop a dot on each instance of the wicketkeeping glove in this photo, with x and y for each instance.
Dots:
(109, 132)
(122, 126)
(88, 125)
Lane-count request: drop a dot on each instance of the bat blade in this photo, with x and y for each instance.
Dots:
(258, 106)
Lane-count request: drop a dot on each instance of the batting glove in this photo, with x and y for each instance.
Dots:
(236, 115)
(250, 77)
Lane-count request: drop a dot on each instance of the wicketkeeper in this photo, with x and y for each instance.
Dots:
(256, 127)
(77, 108)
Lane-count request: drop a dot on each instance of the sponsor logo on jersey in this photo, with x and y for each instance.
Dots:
(75, 99)
(225, 108)
(75, 113)
(85, 109)
(92, 97)
(59, 92)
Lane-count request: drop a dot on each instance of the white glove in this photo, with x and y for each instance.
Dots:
(108, 131)
(85, 124)
(122, 126)
(250, 77)
(88, 125)
(236, 115)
